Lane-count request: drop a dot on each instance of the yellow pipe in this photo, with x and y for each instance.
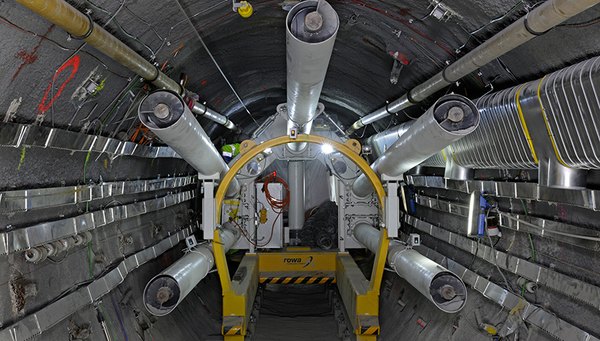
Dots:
(78, 25)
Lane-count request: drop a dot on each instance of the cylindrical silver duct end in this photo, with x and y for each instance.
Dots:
(310, 36)
(447, 121)
(166, 290)
(439, 285)
(166, 114)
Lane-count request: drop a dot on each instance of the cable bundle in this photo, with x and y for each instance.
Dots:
(277, 204)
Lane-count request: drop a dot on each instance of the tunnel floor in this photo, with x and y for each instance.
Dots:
(296, 312)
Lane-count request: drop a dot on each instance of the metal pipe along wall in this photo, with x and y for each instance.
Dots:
(536, 22)
(166, 290)
(166, 114)
(309, 43)
(439, 285)
(80, 26)
(296, 182)
(448, 120)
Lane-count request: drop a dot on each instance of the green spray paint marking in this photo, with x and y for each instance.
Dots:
(22, 158)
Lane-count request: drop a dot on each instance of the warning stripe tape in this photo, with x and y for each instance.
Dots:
(369, 330)
(297, 280)
(232, 330)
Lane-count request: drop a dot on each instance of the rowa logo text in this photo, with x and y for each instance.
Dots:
(293, 261)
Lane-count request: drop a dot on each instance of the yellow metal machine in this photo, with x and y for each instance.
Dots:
(301, 264)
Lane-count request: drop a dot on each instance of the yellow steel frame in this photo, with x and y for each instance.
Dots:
(369, 298)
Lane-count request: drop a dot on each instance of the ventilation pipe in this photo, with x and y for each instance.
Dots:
(535, 23)
(166, 290)
(166, 114)
(439, 285)
(448, 120)
(83, 27)
(551, 124)
(311, 28)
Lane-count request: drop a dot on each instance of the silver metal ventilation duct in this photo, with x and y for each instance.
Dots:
(166, 290)
(438, 284)
(165, 113)
(310, 35)
(535, 23)
(551, 124)
(79, 25)
(449, 119)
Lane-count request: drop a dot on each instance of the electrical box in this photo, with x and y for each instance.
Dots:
(414, 239)
(191, 241)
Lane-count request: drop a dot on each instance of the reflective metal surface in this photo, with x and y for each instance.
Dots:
(30, 199)
(296, 179)
(22, 135)
(308, 57)
(586, 198)
(431, 133)
(428, 277)
(166, 290)
(32, 236)
(547, 321)
(182, 132)
(569, 286)
(42, 320)
(588, 239)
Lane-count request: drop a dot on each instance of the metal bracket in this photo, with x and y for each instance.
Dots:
(209, 205)
(391, 204)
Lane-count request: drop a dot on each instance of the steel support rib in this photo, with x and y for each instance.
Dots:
(536, 22)
(82, 27)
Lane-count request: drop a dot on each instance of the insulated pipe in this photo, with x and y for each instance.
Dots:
(83, 27)
(535, 23)
(166, 114)
(438, 284)
(310, 36)
(296, 184)
(166, 290)
(381, 142)
(448, 120)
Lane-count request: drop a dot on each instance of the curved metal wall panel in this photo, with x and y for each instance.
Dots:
(500, 140)
(571, 106)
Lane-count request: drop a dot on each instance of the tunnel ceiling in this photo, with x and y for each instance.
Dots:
(44, 73)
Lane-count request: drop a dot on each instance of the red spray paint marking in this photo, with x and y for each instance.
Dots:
(218, 102)
(29, 58)
(203, 82)
(74, 62)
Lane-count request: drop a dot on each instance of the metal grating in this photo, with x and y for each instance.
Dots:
(571, 106)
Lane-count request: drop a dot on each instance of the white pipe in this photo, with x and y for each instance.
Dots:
(448, 120)
(537, 22)
(166, 114)
(296, 182)
(166, 290)
(308, 55)
(439, 285)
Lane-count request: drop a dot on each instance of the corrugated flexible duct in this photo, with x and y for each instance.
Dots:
(537, 22)
(551, 124)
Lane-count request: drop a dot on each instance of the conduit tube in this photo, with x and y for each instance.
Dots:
(448, 120)
(166, 290)
(438, 284)
(537, 22)
(296, 181)
(82, 27)
(166, 114)
(310, 36)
